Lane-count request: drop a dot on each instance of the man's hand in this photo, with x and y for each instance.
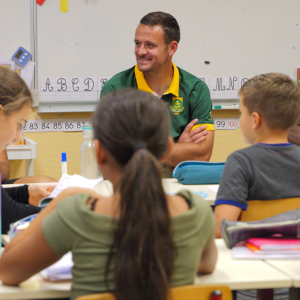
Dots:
(38, 192)
(195, 136)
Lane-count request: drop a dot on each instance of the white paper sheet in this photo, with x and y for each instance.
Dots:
(61, 270)
(242, 252)
(67, 181)
(27, 72)
(7, 62)
(214, 187)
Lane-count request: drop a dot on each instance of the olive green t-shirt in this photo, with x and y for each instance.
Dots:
(187, 98)
(88, 235)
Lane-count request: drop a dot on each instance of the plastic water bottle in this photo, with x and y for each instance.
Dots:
(88, 162)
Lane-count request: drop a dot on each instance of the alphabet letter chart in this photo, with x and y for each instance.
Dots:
(224, 87)
(71, 88)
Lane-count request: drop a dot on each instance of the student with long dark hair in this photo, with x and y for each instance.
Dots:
(15, 107)
(137, 243)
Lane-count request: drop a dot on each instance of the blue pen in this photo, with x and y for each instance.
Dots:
(64, 169)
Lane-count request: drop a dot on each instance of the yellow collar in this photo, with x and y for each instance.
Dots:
(143, 85)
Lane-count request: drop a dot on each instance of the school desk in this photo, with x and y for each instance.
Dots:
(240, 274)
(292, 269)
(171, 187)
(236, 274)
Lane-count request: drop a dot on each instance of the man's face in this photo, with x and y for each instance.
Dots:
(150, 50)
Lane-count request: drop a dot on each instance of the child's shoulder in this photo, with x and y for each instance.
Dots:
(264, 150)
(247, 152)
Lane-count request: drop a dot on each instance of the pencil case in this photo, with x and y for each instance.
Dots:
(16, 227)
(286, 224)
(199, 172)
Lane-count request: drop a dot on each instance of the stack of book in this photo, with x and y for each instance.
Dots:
(268, 248)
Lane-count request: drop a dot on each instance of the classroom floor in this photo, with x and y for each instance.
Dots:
(279, 294)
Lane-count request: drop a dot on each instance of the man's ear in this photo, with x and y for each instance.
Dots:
(172, 48)
(169, 149)
(100, 153)
(257, 120)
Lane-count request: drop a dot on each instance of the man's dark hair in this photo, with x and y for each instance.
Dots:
(167, 22)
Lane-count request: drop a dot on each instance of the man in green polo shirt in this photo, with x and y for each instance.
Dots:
(187, 97)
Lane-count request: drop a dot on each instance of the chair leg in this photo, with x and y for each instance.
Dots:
(265, 294)
(234, 293)
(294, 293)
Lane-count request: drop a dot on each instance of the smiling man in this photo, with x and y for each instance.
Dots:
(187, 97)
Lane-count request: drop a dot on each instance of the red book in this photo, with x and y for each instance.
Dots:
(275, 243)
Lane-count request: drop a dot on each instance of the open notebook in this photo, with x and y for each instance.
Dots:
(67, 181)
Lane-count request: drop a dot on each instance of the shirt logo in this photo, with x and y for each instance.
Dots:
(177, 107)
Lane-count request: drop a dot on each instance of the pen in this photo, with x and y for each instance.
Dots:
(64, 163)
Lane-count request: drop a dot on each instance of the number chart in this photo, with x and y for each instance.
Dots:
(56, 125)
(226, 123)
(77, 124)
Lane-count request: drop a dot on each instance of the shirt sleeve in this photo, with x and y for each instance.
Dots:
(13, 211)
(19, 194)
(57, 234)
(210, 226)
(234, 184)
(201, 106)
(107, 88)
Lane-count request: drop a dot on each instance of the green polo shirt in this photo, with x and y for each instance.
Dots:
(187, 98)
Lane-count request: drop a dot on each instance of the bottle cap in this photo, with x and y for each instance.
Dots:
(87, 132)
(63, 157)
(90, 128)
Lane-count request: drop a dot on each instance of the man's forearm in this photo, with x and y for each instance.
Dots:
(191, 151)
(187, 151)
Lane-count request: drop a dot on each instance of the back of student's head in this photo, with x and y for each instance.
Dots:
(275, 97)
(134, 127)
(14, 92)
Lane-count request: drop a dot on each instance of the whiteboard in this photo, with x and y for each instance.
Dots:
(238, 37)
(15, 26)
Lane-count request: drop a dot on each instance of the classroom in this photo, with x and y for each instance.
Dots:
(245, 41)
(222, 43)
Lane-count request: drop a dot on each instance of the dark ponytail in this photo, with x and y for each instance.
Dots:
(143, 249)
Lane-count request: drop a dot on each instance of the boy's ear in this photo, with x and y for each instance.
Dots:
(257, 121)
(100, 153)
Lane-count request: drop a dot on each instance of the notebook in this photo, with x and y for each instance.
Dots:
(275, 243)
(67, 181)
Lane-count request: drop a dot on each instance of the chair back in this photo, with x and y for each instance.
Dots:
(199, 292)
(105, 296)
(258, 210)
(187, 292)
